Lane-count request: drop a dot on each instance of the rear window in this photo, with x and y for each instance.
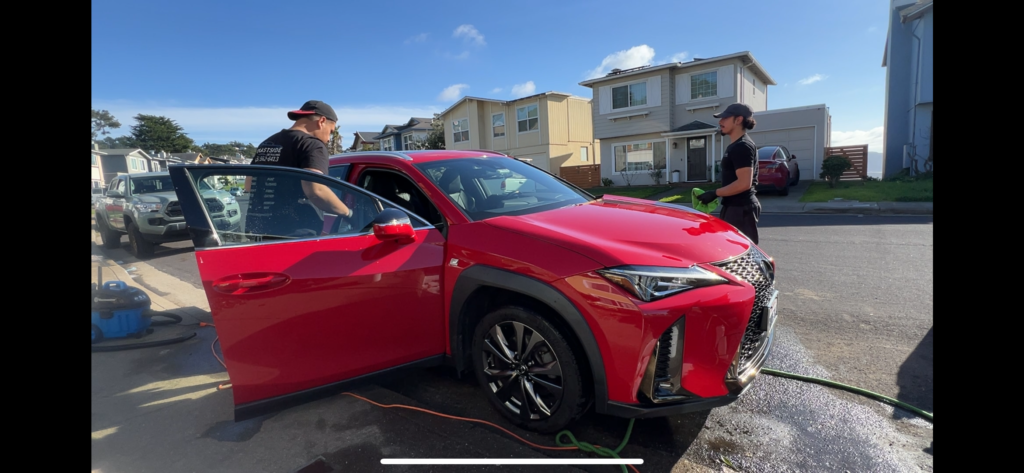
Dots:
(765, 154)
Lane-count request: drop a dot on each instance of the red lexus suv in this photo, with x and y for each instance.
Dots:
(555, 300)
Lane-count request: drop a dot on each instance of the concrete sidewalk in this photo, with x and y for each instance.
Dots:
(772, 203)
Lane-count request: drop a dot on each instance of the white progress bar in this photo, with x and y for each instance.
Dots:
(511, 461)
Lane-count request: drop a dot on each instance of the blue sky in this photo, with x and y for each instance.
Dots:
(229, 70)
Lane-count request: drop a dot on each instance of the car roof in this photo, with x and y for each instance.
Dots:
(417, 156)
(148, 174)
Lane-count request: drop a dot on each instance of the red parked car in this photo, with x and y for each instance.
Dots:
(556, 301)
(777, 169)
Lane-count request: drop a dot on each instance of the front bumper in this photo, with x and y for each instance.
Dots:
(724, 351)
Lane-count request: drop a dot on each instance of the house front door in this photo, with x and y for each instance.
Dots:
(697, 159)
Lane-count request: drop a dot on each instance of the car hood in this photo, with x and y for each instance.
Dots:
(157, 197)
(615, 231)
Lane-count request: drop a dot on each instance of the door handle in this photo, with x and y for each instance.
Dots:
(250, 283)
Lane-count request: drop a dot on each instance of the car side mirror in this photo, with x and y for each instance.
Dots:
(393, 225)
(792, 157)
(115, 194)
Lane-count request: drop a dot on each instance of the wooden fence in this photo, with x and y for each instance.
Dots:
(586, 176)
(858, 156)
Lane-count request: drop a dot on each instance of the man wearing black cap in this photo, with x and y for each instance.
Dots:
(740, 207)
(302, 146)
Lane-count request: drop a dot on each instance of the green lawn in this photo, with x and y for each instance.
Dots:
(871, 191)
(640, 192)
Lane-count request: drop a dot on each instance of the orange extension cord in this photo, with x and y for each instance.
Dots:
(402, 406)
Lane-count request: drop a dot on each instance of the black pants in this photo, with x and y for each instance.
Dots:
(743, 217)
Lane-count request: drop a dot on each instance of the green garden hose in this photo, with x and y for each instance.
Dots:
(852, 389)
(603, 451)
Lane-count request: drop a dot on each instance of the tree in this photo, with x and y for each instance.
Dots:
(103, 122)
(833, 167)
(115, 143)
(247, 150)
(435, 139)
(334, 145)
(157, 133)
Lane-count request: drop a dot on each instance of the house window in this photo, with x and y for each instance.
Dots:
(498, 124)
(94, 160)
(644, 156)
(387, 144)
(460, 130)
(583, 153)
(408, 142)
(704, 85)
(632, 95)
(527, 118)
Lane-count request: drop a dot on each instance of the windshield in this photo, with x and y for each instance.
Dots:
(765, 154)
(491, 187)
(149, 185)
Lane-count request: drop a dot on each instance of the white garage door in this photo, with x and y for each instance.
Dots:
(799, 142)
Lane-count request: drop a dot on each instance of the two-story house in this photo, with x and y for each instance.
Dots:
(363, 140)
(123, 161)
(97, 171)
(661, 118)
(404, 137)
(552, 129)
(908, 87)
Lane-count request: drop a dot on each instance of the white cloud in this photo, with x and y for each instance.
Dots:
(872, 29)
(496, 90)
(451, 93)
(812, 79)
(463, 55)
(254, 124)
(633, 57)
(872, 138)
(417, 39)
(470, 33)
(522, 90)
(679, 57)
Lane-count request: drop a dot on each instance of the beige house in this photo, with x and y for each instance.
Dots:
(661, 118)
(552, 129)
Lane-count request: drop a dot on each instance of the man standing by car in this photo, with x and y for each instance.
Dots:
(740, 207)
(303, 146)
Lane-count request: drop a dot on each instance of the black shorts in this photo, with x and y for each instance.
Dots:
(743, 217)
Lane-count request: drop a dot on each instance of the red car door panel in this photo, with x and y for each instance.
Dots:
(297, 314)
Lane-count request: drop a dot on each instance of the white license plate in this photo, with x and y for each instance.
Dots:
(771, 312)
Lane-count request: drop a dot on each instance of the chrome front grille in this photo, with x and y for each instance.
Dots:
(754, 268)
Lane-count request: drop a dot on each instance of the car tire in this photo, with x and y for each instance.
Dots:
(110, 238)
(796, 178)
(140, 247)
(548, 371)
(784, 191)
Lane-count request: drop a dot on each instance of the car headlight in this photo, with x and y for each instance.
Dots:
(228, 200)
(148, 207)
(650, 283)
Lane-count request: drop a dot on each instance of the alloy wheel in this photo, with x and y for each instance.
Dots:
(522, 370)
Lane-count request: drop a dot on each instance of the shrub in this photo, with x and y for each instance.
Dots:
(607, 181)
(833, 167)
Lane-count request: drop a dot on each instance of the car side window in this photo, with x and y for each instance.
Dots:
(781, 155)
(277, 207)
(120, 186)
(339, 172)
(401, 190)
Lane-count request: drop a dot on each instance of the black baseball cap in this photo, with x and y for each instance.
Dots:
(735, 110)
(314, 107)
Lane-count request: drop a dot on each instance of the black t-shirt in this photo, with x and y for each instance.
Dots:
(278, 206)
(738, 155)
